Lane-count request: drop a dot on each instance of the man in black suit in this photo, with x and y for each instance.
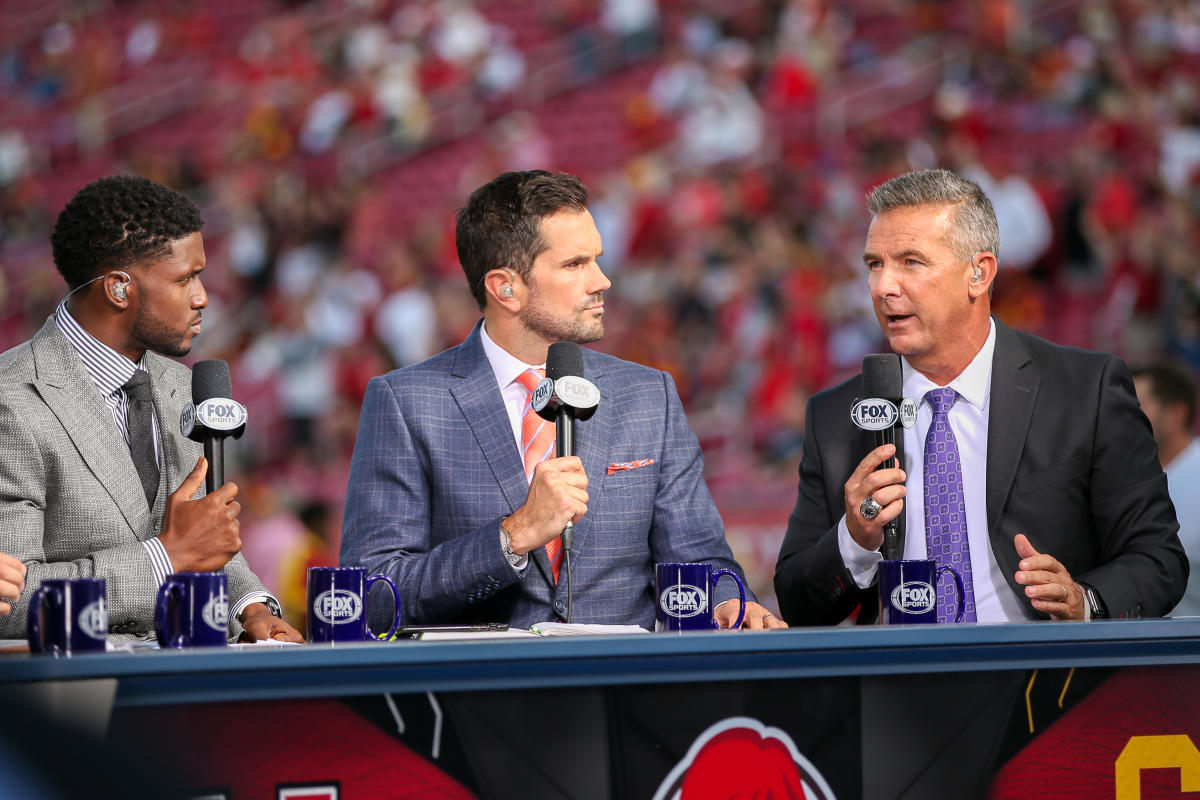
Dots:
(1063, 502)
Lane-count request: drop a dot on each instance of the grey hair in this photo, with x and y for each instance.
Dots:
(973, 227)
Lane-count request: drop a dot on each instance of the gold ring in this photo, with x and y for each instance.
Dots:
(1066, 593)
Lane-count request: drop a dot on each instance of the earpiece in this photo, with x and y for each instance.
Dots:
(119, 287)
(506, 290)
(978, 276)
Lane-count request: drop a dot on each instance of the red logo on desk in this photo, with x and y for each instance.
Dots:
(739, 757)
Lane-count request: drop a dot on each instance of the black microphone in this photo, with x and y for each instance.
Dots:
(883, 383)
(563, 397)
(213, 416)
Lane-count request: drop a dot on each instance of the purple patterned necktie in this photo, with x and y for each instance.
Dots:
(945, 508)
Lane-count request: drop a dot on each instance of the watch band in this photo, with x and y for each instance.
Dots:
(1096, 607)
(513, 559)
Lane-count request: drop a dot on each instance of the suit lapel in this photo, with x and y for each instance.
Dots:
(169, 400)
(1014, 391)
(67, 389)
(478, 397)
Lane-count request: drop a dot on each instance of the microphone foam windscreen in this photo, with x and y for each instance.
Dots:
(210, 379)
(882, 376)
(563, 359)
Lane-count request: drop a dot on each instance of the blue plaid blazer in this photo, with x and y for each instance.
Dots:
(436, 468)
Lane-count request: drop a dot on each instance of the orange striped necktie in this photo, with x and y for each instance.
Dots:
(537, 444)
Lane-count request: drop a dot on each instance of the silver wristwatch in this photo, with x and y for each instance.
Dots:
(506, 543)
(1095, 604)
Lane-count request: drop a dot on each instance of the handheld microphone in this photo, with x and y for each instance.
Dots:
(563, 397)
(213, 417)
(883, 383)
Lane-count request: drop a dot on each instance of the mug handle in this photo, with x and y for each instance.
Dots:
(741, 596)
(36, 643)
(396, 595)
(958, 585)
(162, 614)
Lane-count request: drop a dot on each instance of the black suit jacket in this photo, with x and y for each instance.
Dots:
(1071, 463)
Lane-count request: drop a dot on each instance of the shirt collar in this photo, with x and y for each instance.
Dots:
(505, 366)
(108, 369)
(973, 384)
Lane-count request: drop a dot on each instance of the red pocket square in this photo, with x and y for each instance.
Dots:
(623, 465)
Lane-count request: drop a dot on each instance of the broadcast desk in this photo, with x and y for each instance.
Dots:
(874, 685)
(154, 677)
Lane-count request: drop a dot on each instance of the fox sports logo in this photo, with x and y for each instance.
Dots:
(337, 606)
(93, 620)
(682, 600)
(216, 613)
(874, 414)
(914, 597)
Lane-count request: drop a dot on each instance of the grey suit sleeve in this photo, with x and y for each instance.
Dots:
(687, 526)
(24, 502)
(387, 524)
(812, 582)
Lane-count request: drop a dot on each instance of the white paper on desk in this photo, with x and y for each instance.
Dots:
(583, 629)
(130, 645)
(264, 643)
(445, 636)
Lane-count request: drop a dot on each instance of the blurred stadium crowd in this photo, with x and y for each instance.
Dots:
(728, 145)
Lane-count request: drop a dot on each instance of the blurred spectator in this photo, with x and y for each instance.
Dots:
(1167, 393)
(723, 121)
(14, 156)
(1020, 213)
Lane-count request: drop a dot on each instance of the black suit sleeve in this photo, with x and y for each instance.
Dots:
(1141, 567)
(811, 581)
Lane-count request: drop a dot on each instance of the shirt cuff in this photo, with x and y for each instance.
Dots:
(160, 562)
(257, 597)
(863, 564)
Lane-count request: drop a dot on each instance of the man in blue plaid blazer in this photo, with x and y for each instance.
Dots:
(439, 499)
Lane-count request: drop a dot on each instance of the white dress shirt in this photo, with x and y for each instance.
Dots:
(994, 600)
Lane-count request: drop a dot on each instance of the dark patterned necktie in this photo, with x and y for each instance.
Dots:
(139, 417)
(945, 508)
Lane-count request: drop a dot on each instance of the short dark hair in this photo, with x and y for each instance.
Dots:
(117, 222)
(1171, 384)
(973, 227)
(501, 224)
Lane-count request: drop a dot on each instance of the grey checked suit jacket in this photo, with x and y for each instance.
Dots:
(71, 504)
(436, 468)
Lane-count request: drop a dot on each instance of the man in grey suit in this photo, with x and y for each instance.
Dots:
(1053, 504)
(95, 478)
(439, 497)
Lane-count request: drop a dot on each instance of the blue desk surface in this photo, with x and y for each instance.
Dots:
(156, 677)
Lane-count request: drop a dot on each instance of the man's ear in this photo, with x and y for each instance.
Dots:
(983, 272)
(500, 286)
(117, 285)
